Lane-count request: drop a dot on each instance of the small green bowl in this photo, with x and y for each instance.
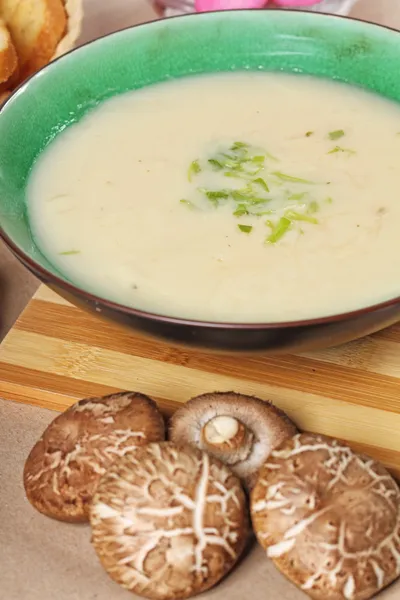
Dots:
(325, 46)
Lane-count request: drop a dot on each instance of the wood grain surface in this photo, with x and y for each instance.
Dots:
(56, 354)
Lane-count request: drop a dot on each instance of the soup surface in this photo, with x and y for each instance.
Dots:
(242, 197)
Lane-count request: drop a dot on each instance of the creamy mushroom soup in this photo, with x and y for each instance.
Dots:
(233, 197)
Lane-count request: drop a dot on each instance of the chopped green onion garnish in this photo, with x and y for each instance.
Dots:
(260, 181)
(271, 157)
(285, 177)
(340, 149)
(262, 213)
(216, 164)
(69, 252)
(336, 135)
(254, 200)
(241, 196)
(234, 165)
(245, 228)
(242, 162)
(233, 174)
(296, 216)
(241, 210)
(313, 207)
(239, 146)
(309, 133)
(193, 169)
(298, 196)
(278, 230)
(187, 203)
(215, 195)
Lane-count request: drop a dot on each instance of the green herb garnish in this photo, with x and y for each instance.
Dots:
(336, 135)
(216, 164)
(241, 195)
(69, 252)
(215, 195)
(241, 210)
(262, 213)
(271, 157)
(298, 196)
(252, 196)
(233, 174)
(340, 149)
(290, 178)
(187, 203)
(309, 133)
(258, 160)
(293, 215)
(278, 230)
(254, 200)
(245, 228)
(239, 146)
(313, 207)
(194, 169)
(260, 181)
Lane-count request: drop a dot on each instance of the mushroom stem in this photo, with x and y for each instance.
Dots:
(227, 438)
(223, 430)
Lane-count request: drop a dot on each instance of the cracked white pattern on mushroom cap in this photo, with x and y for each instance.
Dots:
(170, 522)
(329, 518)
(64, 467)
(114, 404)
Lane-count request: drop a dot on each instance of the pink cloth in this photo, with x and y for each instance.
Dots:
(296, 3)
(209, 5)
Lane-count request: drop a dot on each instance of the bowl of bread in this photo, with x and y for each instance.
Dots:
(32, 34)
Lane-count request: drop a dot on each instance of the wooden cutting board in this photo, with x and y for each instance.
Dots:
(56, 354)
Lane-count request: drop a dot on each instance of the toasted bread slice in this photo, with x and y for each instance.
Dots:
(7, 8)
(74, 10)
(8, 56)
(36, 28)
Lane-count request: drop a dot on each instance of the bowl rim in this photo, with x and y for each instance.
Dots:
(74, 290)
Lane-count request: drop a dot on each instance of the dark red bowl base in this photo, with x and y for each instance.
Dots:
(226, 338)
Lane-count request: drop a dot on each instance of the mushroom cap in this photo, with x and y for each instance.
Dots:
(64, 466)
(329, 518)
(170, 522)
(261, 427)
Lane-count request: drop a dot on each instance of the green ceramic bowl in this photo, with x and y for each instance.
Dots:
(325, 46)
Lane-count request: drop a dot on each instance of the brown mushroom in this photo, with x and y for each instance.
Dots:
(239, 430)
(169, 522)
(329, 518)
(64, 466)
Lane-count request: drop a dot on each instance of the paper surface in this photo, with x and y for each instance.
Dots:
(42, 559)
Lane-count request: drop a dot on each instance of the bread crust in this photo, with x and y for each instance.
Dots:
(74, 12)
(8, 57)
(38, 31)
(37, 52)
